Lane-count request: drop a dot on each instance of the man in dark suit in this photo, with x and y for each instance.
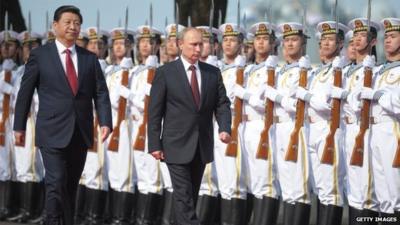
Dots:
(68, 80)
(185, 96)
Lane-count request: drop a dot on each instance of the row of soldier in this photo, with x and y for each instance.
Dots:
(295, 127)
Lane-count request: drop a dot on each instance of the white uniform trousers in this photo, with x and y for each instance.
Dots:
(7, 169)
(261, 176)
(121, 171)
(328, 180)
(27, 159)
(231, 171)
(383, 143)
(209, 182)
(293, 176)
(358, 183)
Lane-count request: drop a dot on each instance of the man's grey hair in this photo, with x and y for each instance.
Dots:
(182, 34)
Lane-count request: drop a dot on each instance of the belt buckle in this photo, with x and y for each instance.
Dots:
(276, 119)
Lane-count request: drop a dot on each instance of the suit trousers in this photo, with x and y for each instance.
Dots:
(63, 168)
(186, 179)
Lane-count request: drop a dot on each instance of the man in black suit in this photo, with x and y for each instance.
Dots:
(185, 96)
(68, 80)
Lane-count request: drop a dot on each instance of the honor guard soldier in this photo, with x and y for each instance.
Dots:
(324, 142)
(262, 180)
(171, 41)
(208, 53)
(82, 40)
(351, 53)
(359, 185)
(9, 195)
(229, 160)
(384, 130)
(48, 36)
(248, 48)
(288, 138)
(29, 170)
(121, 169)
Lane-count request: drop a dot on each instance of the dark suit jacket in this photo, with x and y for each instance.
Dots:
(184, 127)
(59, 109)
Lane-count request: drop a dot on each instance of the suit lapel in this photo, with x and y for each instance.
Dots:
(184, 81)
(204, 82)
(59, 67)
(80, 66)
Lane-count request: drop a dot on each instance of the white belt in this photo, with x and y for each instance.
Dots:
(252, 117)
(380, 119)
(314, 119)
(350, 119)
(282, 118)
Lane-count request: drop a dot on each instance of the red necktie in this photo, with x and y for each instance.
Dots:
(71, 73)
(195, 86)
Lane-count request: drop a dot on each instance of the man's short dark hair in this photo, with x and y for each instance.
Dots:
(67, 8)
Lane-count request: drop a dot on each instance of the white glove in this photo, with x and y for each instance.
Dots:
(256, 102)
(304, 62)
(288, 104)
(147, 89)
(270, 93)
(8, 64)
(271, 61)
(369, 61)
(151, 61)
(240, 61)
(124, 92)
(212, 60)
(338, 93)
(7, 88)
(239, 91)
(371, 94)
(126, 63)
(302, 93)
(338, 62)
(319, 104)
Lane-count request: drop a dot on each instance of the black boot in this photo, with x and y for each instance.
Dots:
(249, 207)
(168, 214)
(238, 211)
(4, 202)
(302, 214)
(36, 210)
(122, 207)
(96, 206)
(321, 213)
(205, 209)
(15, 201)
(334, 215)
(388, 219)
(153, 208)
(353, 215)
(288, 213)
(24, 201)
(226, 211)
(265, 211)
(80, 205)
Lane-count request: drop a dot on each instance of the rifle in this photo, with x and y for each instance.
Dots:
(141, 134)
(95, 135)
(357, 156)
(328, 153)
(232, 147)
(291, 153)
(396, 160)
(114, 141)
(263, 145)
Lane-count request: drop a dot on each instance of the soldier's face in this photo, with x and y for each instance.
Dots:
(8, 49)
(145, 47)
(172, 49)
(206, 48)
(351, 51)
(360, 40)
(67, 27)
(293, 45)
(231, 46)
(26, 49)
(328, 45)
(262, 44)
(96, 46)
(191, 45)
(119, 48)
(392, 43)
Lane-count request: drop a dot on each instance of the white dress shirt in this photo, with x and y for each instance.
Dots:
(61, 52)
(187, 65)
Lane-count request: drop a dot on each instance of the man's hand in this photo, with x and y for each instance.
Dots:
(19, 138)
(159, 155)
(105, 131)
(225, 137)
